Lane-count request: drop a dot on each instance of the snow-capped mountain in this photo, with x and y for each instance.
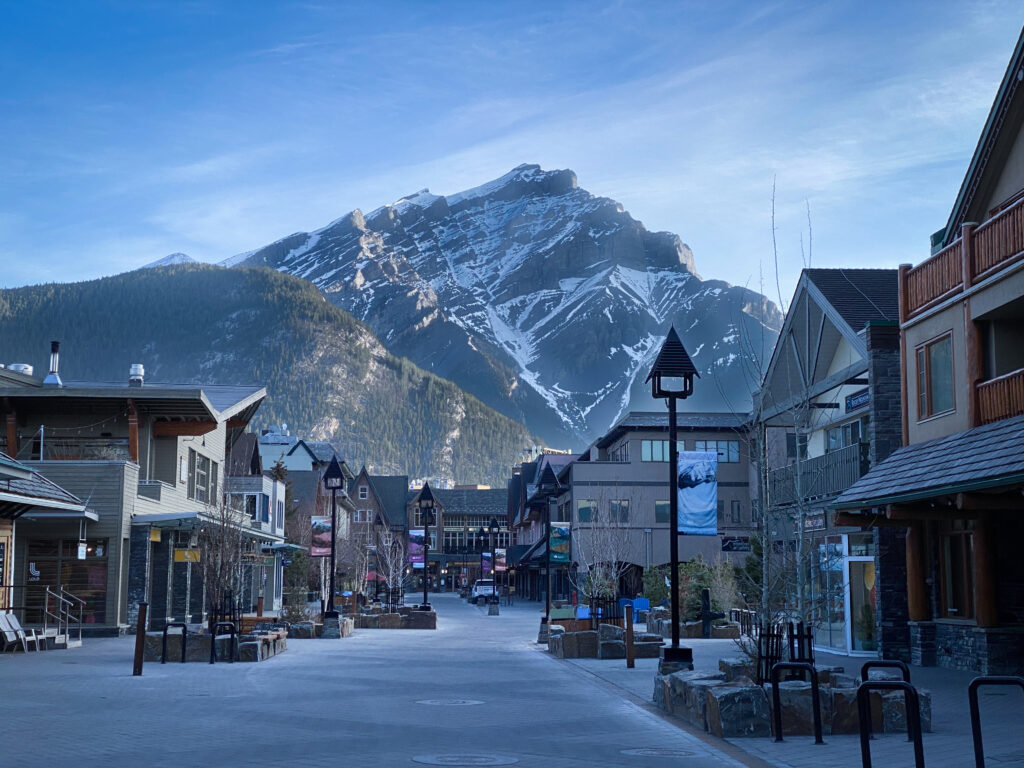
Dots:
(544, 301)
(174, 258)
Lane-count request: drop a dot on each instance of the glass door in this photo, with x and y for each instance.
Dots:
(864, 636)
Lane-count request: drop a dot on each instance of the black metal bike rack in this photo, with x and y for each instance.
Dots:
(913, 707)
(184, 640)
(972, 695)
(804, 666)
(213, 640)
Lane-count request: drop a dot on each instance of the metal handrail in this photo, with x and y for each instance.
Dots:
(234, 640)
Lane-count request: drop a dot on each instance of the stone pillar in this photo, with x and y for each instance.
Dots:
(162, 583)
(139, 550)
(891, 593)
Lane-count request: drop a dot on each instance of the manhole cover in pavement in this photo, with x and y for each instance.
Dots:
(464, 760)
(449, 703)
(657, 752)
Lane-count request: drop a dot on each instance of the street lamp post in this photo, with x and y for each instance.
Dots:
(334, 480)
(425, 505)
(378, 523)
(481, 536)
(493, 529)
(673, 363)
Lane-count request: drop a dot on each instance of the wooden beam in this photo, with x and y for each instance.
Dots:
(902, 301)
(237, 423)
(865, 521)
(909, 513)
(133, 432)
(182, 428)
(917, 588)
(986, 609)
(12, 435)
(988, 502)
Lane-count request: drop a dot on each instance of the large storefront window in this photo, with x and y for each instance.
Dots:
(830, 626)
(56, 563)
(844, 594)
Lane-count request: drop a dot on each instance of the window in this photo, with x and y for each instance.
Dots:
(619, 509)
(728, 450)
(792, 440)
(202, 478)
(250, 506)
(265, 508)
(935, 377)
(851, 433)
(661, 511)
(736, 516)
(279, 523)
(956, 563)
(656, 450)
(620, 453)
(362, 516)
(585, 509)
(364, 492)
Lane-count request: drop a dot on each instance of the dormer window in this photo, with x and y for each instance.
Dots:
(364, 492)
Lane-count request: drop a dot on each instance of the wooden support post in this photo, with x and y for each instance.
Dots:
(12, 435)
(985, 607)
(133, 432)
(630, 649)
(975, 367)
(917, 589)
(140, 640)
(902, 302)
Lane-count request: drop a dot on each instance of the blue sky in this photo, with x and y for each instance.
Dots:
(130, 130)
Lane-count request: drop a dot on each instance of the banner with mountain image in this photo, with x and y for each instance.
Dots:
(417, 547)
(697, 493)
(321, 543)
(559, 543)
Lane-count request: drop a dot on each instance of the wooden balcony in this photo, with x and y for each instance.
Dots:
(979, 252)
(1001, 397)
(817, 478)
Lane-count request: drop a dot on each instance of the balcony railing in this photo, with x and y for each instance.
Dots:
(978, 252)
(816, 478)
(1001, 397)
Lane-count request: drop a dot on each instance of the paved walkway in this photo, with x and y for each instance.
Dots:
(475, 692)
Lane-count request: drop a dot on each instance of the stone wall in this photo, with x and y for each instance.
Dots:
(138, 571)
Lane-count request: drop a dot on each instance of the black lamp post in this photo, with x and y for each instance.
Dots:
(334, 480)
(425, 504)
(481, 535)
(673, 363)
(549, 484)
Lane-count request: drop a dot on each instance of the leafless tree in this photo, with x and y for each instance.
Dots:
(222, 542)
(601, 549)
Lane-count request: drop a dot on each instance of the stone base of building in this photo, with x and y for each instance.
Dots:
(951, 645)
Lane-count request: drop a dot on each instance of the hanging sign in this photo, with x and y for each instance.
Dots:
(186, 556)
(499, 560)
(321, 542)
(417, 540)
(82, 548)
(697, 489)
(485, 562)
(558, 544)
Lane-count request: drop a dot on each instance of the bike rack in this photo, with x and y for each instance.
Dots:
(972, 695)
(213, 640)
(913, 706)
(184, 640)
(777, 703)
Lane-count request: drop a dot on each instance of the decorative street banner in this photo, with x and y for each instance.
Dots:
(697, 484)
(321, 545)
(416, 549)
(559, 543)
(499, 560)
(485, 562)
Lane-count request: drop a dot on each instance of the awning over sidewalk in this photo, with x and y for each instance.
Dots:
(983, 458)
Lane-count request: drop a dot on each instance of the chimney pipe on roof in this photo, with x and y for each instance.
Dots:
(53, 377)
(136, 375)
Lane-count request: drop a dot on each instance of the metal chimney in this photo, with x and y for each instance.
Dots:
(136, 375)
(53, 377)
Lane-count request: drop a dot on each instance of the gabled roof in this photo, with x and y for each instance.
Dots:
(636, 421)
(672, 359)
(489, 503)
(997, 137)
(244, 458)
(392, 492)
(859, 296)
(989, 456)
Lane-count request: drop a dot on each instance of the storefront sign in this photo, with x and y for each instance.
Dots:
(559, 543)
(81, 550)
(815, 522)
(857, 400)
(321, 542)
(187, 556)
(155, 534)
(499, 560)
(735, 544)
(416, 548)
(697, 489)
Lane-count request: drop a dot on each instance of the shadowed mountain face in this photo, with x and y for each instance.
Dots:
(544, 301)
(327, 375)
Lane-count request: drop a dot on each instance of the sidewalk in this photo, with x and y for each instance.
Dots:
(949, 744)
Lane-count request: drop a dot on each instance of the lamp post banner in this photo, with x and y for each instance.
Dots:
(558, 544)
(321, 542)
(485, 562)
(416, 540)
(499, 560)
(697, 493)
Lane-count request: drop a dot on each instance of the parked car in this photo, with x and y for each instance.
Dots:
(482, 588)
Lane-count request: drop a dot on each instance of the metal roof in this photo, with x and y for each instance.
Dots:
(28, 491)
(989, 456)
(859, 296)
(672, 360)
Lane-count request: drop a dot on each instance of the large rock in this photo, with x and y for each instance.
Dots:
(249, 651)
(737, 709)
(586, 644)
(647, 650)
(894, 712)
(422, 620)
(556, 645)
(663, 693)
(611, 649)
(845, 718)
(389, 621)
(687, 694)
(610, 632)
(797, 710)
(570, 644)
(730, 631)
(738, 666)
